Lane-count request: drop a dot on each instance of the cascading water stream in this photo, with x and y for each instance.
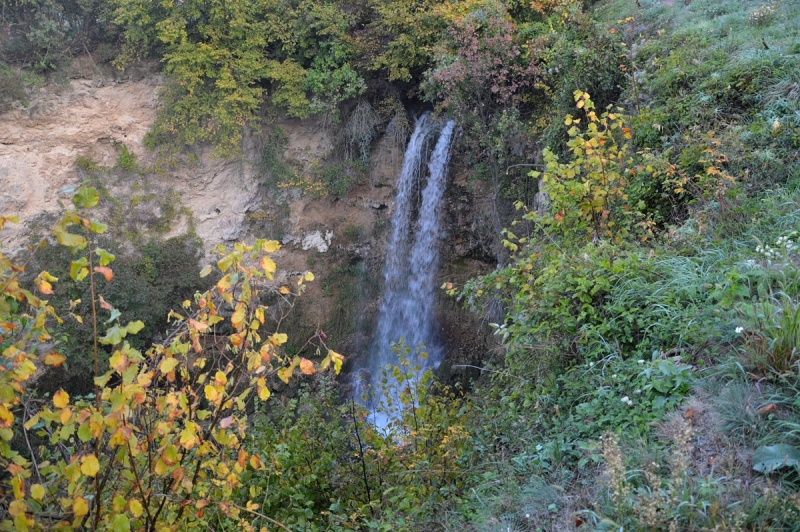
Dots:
(412, 259)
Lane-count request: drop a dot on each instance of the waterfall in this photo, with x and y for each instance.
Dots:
(412, 257)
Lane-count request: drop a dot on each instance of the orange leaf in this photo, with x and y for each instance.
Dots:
(766, 409)
(106, 271)
(306, 366)
(105, 305)
(198, 325)
(45, 287)
(265, 356)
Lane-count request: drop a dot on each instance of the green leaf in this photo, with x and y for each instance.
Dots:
(86, 198)
(120, 523)
(135, 326)
(114, 315)
(78, 270)
(114, 335)
(225, 262)
(106, 258)
(70, 240)
(773, 457)
(97, 227)
(84, 432)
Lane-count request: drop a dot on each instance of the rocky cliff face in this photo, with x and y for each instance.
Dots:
(68, 132)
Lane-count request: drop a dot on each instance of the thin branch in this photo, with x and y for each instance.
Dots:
(490, 371)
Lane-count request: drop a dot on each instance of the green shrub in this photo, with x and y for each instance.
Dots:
(330, 468)
(127, 159)
(147, 283)
(12, 89)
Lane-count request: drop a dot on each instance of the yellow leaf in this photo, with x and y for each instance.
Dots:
(37, 492)
(309, 276)
(160, 468)
(306, 366)
(338, 360)
(263, 393)
(211, 392)
(118, 361)
(188, 438)
(284, 374)
(80, 507)
(271, 246)
(168, 364)
(205, 271)
(237, 319)
(61, 399)
(54, 359)
(284, 291)
(90, 465)
(220, 378)
(278, 339)
(224, 283)
(136, 508)
(268, 265)
(580, 104)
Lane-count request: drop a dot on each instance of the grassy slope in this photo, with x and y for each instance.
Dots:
(713, 73)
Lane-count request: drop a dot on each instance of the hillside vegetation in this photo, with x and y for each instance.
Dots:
(648, 375)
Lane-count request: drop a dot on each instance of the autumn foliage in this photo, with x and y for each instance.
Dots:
(158, 446)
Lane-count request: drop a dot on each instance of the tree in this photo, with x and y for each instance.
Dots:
(226, 57)
(158, 446)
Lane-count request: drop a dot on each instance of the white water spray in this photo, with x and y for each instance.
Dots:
(412, 259)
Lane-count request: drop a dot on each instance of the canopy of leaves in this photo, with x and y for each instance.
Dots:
(226, 57)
